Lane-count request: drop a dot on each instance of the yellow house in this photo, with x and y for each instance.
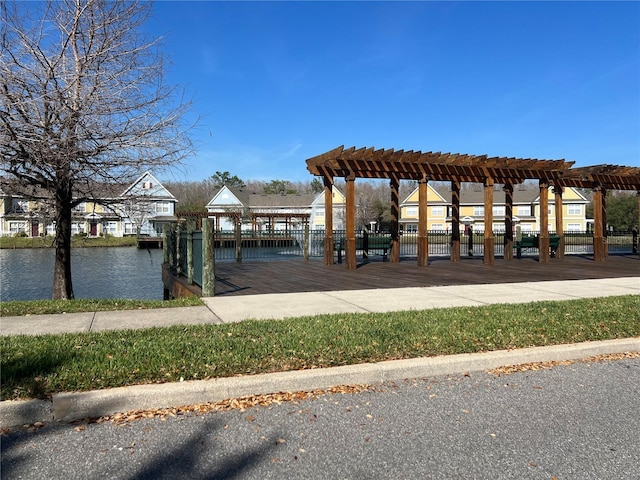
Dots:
(526, 208)
(436, 214)
(574, 211)
(317, 218)
(93, 219)
(18, 216)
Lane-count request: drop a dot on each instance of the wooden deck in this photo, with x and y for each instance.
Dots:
(285, 276)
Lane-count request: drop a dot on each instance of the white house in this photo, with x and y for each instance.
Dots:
(272, 212)
(146, 206)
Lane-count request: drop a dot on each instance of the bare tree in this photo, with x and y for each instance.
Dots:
(83, 105)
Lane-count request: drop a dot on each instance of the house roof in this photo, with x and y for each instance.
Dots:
(471, 196)
(522, 194)
(281, 200)
(157, 190)
(262, 200)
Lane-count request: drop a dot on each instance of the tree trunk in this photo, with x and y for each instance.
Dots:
(62, 285)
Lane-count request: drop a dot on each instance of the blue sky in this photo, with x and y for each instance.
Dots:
(279, 82)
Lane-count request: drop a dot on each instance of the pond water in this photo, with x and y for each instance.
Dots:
(123, 272)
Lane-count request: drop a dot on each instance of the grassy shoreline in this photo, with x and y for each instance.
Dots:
(37, 366)
(76, 242)
(19, 308)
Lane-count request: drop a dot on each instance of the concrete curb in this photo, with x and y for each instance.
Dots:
(67, 407)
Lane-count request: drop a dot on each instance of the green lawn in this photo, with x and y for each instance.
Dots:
(34, 366)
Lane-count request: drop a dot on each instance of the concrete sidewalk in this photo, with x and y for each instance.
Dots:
(72, 406)
(230, 309)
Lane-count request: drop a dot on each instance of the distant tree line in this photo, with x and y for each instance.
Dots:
(622, 210)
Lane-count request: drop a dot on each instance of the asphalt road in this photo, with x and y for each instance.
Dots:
(577, 421)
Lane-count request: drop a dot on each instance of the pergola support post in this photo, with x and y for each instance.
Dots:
(508, 221)
(543, 239)
(638, 225)
(394, 184)
(489, 255)
(328, 220)
(557, 191)
(599, 224)
(455, 221)
(350, 236)
(423, 241)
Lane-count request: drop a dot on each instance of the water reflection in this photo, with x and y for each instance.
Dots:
(123, 272)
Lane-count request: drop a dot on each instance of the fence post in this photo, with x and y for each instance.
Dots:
(238, 235)
(165, 243)
(306, 242)
(208, 259)
(190, 268)
(178, 250)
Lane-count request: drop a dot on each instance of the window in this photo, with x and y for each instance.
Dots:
(129, 228)
(526, 227)
(147, 185)
(524, 210)
(574, 227)
(80, 208)
(498, 210)
(437, 226)
(16, 227)
(437, 211)
(320, 212)
(498, 227)
(163, 207)
(110, 227)
(77, 228)
(19, 205)
(412, 211)
(411, 228)
(478, 211)
(573, 209)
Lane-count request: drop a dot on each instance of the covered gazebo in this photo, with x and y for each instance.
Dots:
(369, 163)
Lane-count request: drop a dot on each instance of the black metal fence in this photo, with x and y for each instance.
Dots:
(294, 243)
(232, 247)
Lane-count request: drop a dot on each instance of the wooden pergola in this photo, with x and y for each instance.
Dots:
(601, 178)
(396, 165)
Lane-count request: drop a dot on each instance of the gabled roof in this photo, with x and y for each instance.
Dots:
(471, 196)
(319, 200)
(147, 185)
(262, 200)
(228, 197)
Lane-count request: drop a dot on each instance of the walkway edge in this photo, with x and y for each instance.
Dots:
(67, 407)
